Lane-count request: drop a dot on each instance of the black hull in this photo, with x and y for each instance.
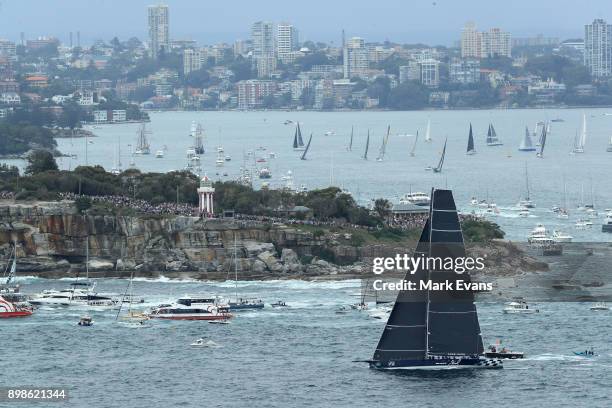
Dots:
(447, 363)
(606, 228)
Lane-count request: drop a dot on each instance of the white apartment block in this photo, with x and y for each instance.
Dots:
(486, 44)
(159, 37)
(286, 42)
(356, 62)
(192, 60)
(598, 48)
(262, 36)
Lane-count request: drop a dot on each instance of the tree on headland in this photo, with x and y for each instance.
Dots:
(382, 208)
(40, 161)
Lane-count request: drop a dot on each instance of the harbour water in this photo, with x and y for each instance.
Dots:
(493, 173)
(295, 356)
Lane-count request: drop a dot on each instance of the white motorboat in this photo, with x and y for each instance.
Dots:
(178, 311)
(538, 233)
(600, 306)
(159, 154)
(79, 294)
(560, 236)
(416, 198)
(228, 157)
(520, 307)
(524, 213)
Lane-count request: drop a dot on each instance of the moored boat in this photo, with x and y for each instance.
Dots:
(519, 307)
(178, 311)
(10, 309)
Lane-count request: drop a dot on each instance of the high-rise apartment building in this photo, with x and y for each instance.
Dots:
(355, 58)
(598, 48)
(486, 44)
(192, 60)
(159, 38)
(286, 42)
(262, 35)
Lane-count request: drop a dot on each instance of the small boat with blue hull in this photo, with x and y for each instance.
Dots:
(434, 329)
(246, 304)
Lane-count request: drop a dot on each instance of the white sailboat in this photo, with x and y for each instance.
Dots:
(580, 140)
(526, 143)
(609, 148)
(526, 202)
(142, 143)
(428, 131)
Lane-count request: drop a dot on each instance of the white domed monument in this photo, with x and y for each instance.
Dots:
(206, 193)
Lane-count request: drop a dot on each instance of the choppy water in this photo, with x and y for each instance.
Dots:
(296, 356)
(488, 174)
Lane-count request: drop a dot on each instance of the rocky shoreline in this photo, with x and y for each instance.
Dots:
(53, 241)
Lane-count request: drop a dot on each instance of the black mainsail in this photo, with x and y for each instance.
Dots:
(438, 169)
(434, 328)
(470, 145)
(307, 147)
(365, 155)
(350, 146)
(298, 143)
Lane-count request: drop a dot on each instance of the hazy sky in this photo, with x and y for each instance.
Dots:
(210, 21)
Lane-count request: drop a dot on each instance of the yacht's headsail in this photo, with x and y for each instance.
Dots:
(492, 139)
(299, 136)
(383, 147)
(428, 131)
(580, 140)
(438, 168)
(433, 328)
(609, 148)
(365, 155)
(295, 139)
(416, 139)
(307, 147)
(470, 145)
(11, 269)
(526, 143)
(540, 154)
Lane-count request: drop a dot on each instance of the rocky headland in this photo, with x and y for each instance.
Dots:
(53, 240)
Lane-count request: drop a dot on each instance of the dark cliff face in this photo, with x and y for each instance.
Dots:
(55, 241)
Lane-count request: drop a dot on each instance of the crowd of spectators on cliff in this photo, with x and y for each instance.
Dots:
(415, 221)
(140, 206)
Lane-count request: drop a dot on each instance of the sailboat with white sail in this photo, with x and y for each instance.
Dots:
(470, 146)
(365, 154)
(527, 143)
(306, 149)
(298, 142)
(197, 134)
(416, 139)
(383, 148)
(9, 290)
(434, 329)
(526, 202)
(142, 143)
(580, 139)
(609, 148)
(428, 131)
(492, 138)
(438, 168)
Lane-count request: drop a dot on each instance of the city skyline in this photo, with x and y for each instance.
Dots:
(429, 22)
